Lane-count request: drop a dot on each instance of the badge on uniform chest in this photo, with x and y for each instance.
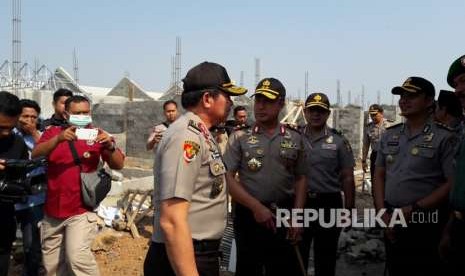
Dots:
(254, 164)
(252, 140)
(329, 146)
(288, 144)
(217, 187)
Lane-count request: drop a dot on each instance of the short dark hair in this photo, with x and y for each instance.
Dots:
(9, 104)
(62, 92)
(169, 102)
(75, 99)
(192, 98)
(449, 101)
(239, 108)
(29, 103)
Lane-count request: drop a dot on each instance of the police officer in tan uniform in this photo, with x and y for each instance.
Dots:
(330, 170)
(269, 159)
(413, 172)
(371, 135)
(189, 192)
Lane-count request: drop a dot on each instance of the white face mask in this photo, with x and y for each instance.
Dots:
(80, 120)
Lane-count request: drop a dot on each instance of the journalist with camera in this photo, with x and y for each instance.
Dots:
(11, 147)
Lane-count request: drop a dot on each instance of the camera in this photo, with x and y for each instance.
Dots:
(16, 183)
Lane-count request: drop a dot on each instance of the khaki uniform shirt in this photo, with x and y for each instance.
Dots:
(415, 164)
(188, 165)
(267, 165)
(327, 154)
(372, 133)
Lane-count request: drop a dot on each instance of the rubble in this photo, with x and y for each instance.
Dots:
(105, 240)
(361, 246)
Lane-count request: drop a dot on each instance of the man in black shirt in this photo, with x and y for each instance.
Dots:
(11, 147)
(59, 98)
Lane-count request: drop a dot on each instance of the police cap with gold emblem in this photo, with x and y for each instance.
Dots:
(209, 75)
(270, 88)
(415, 85)
(457, 68)
(317, 100)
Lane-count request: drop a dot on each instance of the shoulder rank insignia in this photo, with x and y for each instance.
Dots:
(395, 125)
(193, 127)
(444, 126)
(191, 149)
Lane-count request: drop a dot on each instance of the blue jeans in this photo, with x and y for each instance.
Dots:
(29, 219)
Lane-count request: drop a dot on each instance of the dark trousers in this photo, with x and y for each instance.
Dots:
(259, 250)
(7, 235)
(455, 265)
(414, 250)
(373, 155)
(29, 219)
(206, 259)
(325, 240)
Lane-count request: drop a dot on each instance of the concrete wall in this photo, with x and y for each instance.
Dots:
(110, 117)
(140, 117)
(349, 120)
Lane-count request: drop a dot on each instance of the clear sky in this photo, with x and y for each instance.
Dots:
(377, 44)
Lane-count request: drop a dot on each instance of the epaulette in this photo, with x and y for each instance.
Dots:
(444, 126)
(293, 127)
(395, 125)
(192, 126)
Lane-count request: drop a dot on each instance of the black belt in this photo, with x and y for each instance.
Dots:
(206, 245)
(324, 195)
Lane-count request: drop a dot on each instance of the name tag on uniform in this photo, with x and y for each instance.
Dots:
(329, 146)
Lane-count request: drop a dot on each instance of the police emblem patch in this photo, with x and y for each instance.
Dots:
(191, 149)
